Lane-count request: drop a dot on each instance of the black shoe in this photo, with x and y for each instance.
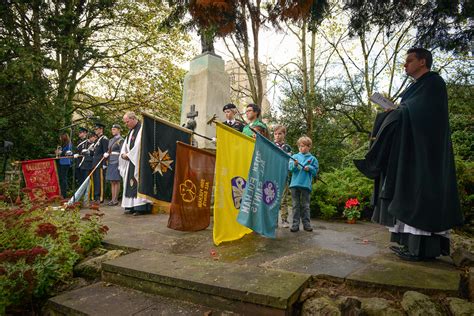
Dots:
(398, 249)
(406, 256)
(129, 212)
(294, 229)
(308, 228)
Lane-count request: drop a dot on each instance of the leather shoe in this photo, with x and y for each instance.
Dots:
(397, 249)
(406, 256)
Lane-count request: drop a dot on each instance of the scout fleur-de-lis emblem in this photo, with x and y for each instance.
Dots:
(238, 186)
(160, 161)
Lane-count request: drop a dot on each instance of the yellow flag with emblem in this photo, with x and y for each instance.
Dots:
(233, 158)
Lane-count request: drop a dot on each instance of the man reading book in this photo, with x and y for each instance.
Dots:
(411, 160)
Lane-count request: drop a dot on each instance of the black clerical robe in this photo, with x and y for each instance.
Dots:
(412, 161)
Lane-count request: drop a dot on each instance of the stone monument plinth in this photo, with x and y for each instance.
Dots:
(207, 86)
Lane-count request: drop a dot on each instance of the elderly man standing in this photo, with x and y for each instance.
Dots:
(412, 162)
(128, 167)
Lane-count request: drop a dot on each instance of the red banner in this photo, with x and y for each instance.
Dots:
(194, 175)
(41, 177)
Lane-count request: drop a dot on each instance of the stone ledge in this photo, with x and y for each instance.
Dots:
(106, 299)
(205, 281)
(407, 276)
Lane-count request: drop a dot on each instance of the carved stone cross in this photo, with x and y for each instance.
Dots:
(192, 113)
(191, 123)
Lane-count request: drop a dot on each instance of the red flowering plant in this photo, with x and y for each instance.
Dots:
(352, 209)
(39, 245)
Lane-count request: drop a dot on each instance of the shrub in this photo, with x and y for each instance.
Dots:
(39, 245)
(329, 198)
(465, 178)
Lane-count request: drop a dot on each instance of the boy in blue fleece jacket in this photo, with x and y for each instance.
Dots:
(303, 167)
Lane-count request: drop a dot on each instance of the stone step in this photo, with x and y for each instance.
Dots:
(208, 282)
(108, 299)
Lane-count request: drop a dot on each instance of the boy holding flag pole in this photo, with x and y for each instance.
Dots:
(304, 167)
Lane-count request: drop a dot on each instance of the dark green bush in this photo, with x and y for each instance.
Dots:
(328, 198)
(39, 244)
(465, 177)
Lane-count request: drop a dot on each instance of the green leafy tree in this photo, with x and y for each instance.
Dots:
(439, 23)
(60, 58)
(142, 71)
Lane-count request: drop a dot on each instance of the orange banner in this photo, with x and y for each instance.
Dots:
(193, 179)
(41, 178)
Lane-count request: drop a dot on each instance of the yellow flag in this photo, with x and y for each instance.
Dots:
(233, 159)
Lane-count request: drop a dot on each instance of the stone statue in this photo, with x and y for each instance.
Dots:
(207, 41)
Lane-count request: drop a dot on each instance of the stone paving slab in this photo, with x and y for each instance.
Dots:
(337, 249)
(319, 262)
(265, 287)
(415, 276)
(108, 299)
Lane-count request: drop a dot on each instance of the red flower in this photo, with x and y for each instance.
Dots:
(78, 249)
(73, 238)
(19, 212)
(95, 206)
(351, 202)
(6, 255)
(46, 229)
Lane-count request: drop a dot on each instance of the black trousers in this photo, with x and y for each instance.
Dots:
(63, 171)
(99, 184)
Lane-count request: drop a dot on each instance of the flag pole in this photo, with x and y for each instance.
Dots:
(205, 137)
(88, 176)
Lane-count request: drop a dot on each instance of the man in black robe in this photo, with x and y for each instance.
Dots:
(411, 160)
(128, 168)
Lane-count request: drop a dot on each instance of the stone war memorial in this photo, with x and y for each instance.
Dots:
(220, 157)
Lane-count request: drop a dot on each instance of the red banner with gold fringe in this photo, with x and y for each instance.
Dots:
(41, 178)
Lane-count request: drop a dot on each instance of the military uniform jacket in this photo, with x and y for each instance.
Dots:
(237, 125)
(115, 145)
(79, 148)
(101, 147)
(88, 153)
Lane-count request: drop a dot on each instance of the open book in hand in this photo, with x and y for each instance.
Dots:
(382, 101)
